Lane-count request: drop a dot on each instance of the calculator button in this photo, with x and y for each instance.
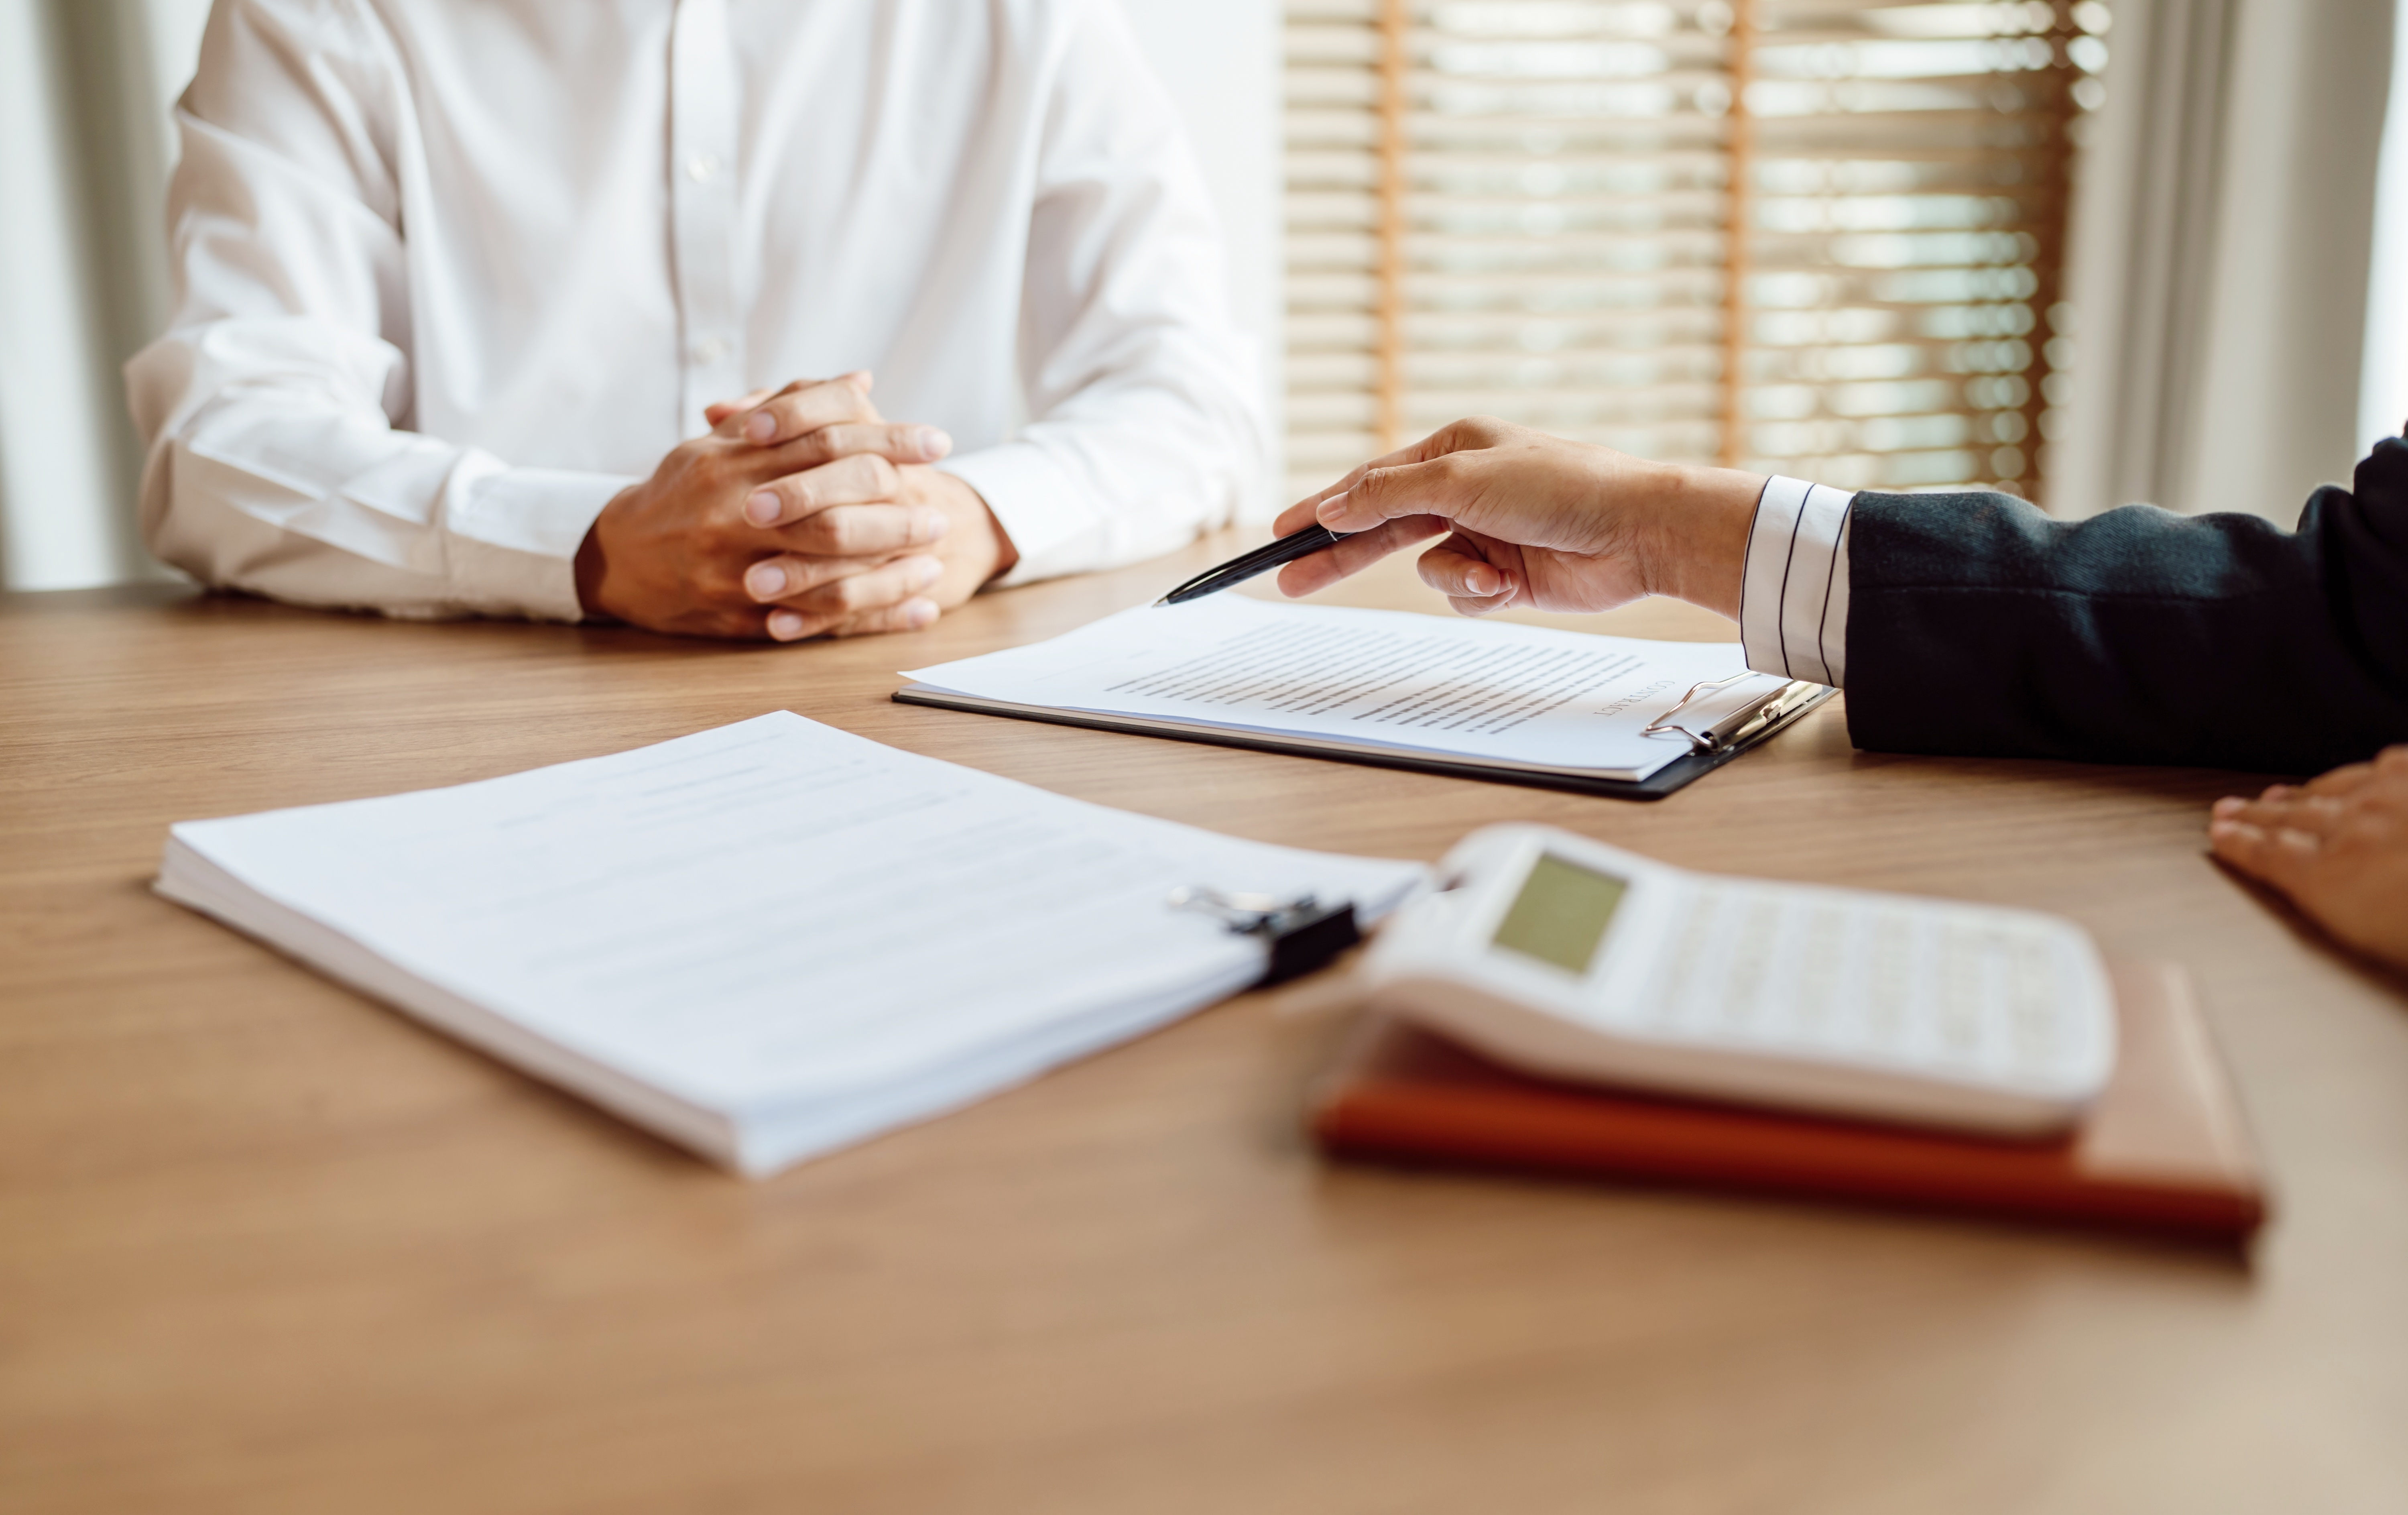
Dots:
(1888, 981)
(1814, 980)
(1744, 985)
(1692, 940)
(1909, 989)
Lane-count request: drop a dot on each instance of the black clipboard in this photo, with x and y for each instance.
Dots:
(1709, 749)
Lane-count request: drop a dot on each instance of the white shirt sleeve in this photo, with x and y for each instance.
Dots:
(275, 463)
(1146, 426)
(1793, 607)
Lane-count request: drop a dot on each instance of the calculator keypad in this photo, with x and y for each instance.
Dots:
(1923, 988)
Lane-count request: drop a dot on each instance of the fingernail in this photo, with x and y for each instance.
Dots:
(919, 612)
(1480, 582)
(785, 625)
(931, 443)
(764, 581)
(930, 526)
(762, 509)
(761, 429)
(1331, 510)
(925, 571)
(2229, 805)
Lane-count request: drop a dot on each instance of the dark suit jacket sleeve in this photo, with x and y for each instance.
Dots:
(1976, 624)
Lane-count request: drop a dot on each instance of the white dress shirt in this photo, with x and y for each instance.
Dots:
(451, 273)
(1793, 601)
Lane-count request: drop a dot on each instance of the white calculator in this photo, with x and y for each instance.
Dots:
(1572, 959)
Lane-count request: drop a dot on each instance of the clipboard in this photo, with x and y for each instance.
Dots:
(1708, 748)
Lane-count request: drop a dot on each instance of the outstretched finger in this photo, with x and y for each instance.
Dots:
(911, 615)
(787, 575)
(865, 530)
(1464, 576)
(1300, 514)
(860, 479)
(1435, 487)
(1308, 575)
(718, 410)
(2317, 814)
(2279, 855)
(728, 416)
(1469, 433)
(804, 406)
(1466, 605)
(895, 441)
(2340, 781)
(820, 610)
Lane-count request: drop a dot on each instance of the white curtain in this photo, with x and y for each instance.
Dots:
(2383, 382)
(85, 87)
(2221, 259)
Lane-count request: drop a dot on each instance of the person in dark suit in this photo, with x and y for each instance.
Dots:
(1972, 623)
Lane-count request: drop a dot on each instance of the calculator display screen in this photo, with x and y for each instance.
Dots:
(1561, 913)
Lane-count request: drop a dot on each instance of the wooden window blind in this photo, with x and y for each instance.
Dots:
(1822, 238)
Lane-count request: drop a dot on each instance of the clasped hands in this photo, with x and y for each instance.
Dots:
(802, 512)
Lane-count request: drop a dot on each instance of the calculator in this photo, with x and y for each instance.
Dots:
(1567, 958)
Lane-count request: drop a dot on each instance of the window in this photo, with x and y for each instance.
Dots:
(1525, 207)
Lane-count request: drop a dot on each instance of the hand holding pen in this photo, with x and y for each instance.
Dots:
(1530, 520)
(1302, 534)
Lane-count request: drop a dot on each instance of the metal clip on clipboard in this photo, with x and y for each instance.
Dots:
(1302, 933)
(1740, 724)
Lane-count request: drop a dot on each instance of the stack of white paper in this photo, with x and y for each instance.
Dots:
(764, 941)
(1491, 692)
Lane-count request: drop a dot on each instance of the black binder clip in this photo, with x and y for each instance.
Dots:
(1302, 933)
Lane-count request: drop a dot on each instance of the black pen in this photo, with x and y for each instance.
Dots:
(1237, 570)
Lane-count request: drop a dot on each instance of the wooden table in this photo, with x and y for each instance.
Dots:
(266, 1246)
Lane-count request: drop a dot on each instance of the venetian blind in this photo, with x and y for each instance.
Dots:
(1816, 237)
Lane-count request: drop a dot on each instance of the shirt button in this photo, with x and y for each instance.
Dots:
(702, 167)
(709, 350)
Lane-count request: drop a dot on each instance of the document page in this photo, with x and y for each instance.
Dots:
(777, 912)
(1488, 689)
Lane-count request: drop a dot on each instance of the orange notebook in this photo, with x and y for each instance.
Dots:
(2164, 1149)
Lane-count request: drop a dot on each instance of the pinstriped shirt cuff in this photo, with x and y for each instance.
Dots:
(1793, 603)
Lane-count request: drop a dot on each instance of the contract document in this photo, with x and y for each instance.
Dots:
(764, 941)
(1362, 683)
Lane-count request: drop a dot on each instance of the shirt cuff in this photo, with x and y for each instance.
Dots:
(512, 537)
(1023, 489)
(1793, 602)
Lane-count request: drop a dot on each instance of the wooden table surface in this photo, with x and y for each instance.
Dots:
(266, 1246)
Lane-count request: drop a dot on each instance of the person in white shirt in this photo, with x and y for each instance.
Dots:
(569, 308)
